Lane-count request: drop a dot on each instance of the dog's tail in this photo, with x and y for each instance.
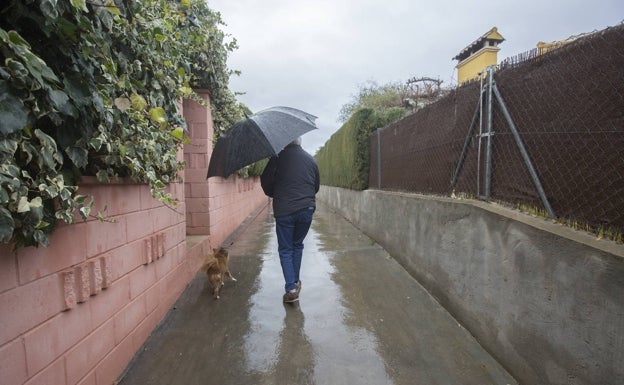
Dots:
(208, 264)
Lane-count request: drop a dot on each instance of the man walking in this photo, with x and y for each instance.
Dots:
(292, 180)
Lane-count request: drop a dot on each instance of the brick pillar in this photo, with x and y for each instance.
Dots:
(197, 155)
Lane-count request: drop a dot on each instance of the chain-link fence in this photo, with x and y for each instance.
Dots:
(546, 131)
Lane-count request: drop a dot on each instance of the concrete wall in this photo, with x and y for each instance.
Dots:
(545, 300)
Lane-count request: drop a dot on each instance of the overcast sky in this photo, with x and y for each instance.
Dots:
(314, 54)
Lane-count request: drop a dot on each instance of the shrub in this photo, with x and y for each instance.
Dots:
(344, 160)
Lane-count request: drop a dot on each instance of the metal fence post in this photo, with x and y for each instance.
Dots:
(379, 158)
(480, 136)
(489, 134)
(525, 154)
(462, 156)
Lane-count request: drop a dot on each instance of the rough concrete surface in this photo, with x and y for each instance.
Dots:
(361, 319)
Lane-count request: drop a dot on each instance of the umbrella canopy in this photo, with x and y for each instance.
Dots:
(262, 135)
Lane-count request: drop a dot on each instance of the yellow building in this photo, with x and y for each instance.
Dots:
(478, 55)
(543, 47)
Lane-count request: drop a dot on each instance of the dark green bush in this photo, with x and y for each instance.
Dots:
(344, 160)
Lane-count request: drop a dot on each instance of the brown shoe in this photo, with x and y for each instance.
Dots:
(298, 286)
(291, 296)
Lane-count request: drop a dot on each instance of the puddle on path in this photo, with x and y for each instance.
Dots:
(312, 336)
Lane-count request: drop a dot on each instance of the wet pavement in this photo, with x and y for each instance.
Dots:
(361, 319)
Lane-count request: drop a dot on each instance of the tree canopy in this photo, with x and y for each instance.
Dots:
(393, 97)
(376, 97)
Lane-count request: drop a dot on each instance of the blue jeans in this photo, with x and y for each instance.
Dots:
(291, 231)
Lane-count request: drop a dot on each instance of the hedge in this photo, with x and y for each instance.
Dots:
(344, 160)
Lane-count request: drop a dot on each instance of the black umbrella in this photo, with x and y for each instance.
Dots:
(262, 135)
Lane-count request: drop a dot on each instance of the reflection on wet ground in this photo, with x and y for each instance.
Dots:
(361, 320)
(285, 339)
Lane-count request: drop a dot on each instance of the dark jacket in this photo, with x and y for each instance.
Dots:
(292, 180)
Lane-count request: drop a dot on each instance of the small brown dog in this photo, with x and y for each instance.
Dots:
(216, 267)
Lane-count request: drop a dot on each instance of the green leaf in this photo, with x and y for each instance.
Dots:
(10, 170)
(8, 146)
(13, 113)
(78, 155)
(30, 151)
(60, 100)
(178, 133)
(35, 202)
(107, 18)
(22, 205)
(7, 225)
(49, 152)
(18, 72)
(51, 191)
(157, 114)
(102, 176)
(186, 91)
(37, 67)
(41, 238)
(77, 89)
(110, 7)
(85, 211)
(138, 102)
(65, 194)
(48, 7)
(68, 29)
(33, 217)
(123, 150)
(42, 225)
(4, 196)
(96, 143)
(81, 5)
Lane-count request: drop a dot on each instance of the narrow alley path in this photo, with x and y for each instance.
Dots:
(361, 320)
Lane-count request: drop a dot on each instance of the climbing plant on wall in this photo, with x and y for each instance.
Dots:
(92, 88)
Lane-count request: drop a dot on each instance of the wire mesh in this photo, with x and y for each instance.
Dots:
(568, 108)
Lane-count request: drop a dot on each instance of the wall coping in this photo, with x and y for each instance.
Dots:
(93, 180)
(547, 225)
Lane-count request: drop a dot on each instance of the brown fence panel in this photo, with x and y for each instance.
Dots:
(416, 152)
(568, 108)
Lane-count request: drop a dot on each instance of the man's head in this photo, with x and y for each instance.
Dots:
(296, 141)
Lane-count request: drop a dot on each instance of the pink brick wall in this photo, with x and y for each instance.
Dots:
(77, 311)
(231, 201)
(197, 156)
(217, 206)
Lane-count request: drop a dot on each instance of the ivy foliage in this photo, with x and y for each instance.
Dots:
(93, 88)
